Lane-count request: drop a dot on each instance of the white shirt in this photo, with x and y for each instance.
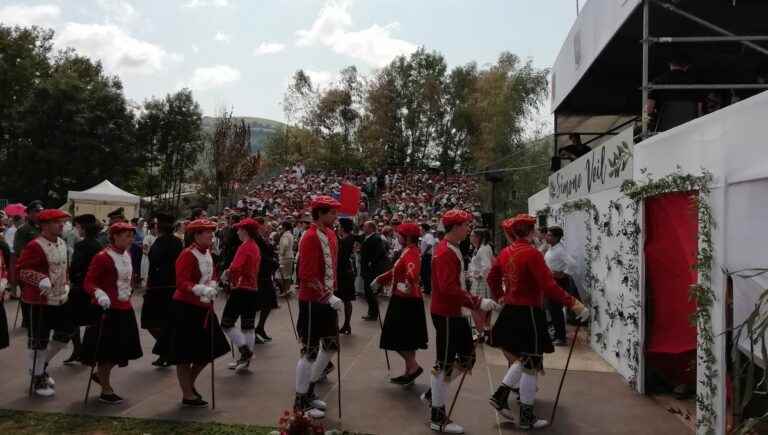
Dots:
(558, 260)
(427, 242)
(10, 235)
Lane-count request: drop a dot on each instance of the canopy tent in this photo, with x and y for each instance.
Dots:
(597, 76)
(101, 199)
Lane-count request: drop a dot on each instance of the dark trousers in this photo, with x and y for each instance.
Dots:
(370, 297)
(426, 273)
(558, 319)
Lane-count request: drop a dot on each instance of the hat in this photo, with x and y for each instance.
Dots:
(509, 225)
(120, 212)
(454, 217)
(120, 227)
(248, 224)
(52, 214)
(408, 229)
(35, 206)
(163, 218)
(324, 201)
(85, 220)
(200, 225)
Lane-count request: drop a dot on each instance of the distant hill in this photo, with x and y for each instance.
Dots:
(261, 129)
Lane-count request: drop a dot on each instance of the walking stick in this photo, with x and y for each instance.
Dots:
(386, 354)
(16, 319)
(211, 319)
(290, 313)
(338, 361)
(35, 345)
(456, 396)
(95, 355)
(562, 378)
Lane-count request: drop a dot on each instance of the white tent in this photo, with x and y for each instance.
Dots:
(102, 199)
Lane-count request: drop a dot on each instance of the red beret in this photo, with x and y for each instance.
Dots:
(120, 227)
(52, 214)
(508, 225)
(409, 229)
(324, 201)
(454, 217)
(248, 224)
(200, 225)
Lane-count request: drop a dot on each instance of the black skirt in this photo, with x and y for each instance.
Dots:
(117, 342)
(346, 290)
(405, 325)
(266, 297)
(320, 323)
(4, 339)
(189, 336)
(522, 330)
(83, 312)
(155, 312)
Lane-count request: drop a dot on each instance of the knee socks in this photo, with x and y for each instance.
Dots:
(235, 335)
(512, 377)
(39, 363)
(303, 371)
(249, 336)
(54, 347)
(439, 389)
(528, 389)
(321, 362)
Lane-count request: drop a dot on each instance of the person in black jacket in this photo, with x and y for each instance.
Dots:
(82, 311)
(161, 280)
(267, 293)
(345, 271)
(373, 262)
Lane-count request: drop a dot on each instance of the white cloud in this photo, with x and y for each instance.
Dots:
(222, 37)
(320, 79)
(118, 50)
(42, 15)
(206, 3)
(195, 49)
(118, 10)
(374, 45)
(212, 77)
(268, 48)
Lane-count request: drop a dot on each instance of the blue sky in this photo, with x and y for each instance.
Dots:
(242, 53)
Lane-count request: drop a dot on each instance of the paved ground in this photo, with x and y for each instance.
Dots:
(595, 400)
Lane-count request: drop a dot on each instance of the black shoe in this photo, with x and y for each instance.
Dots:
(400, 380)
(560, 342)
(72, 360)
(194, 403)
(263, 335)
(110, 399)
(194, 391)
(161, 363)
(345, 330)
(370, 318)
(412, 377)
(257, 339)
(500, 402)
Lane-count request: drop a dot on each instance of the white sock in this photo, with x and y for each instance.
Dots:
(318, 367)
(528, 389)
(439, 389)
(54, 347)
(38, 366)
(235, 336)
(303, 370)
(250, 338)
(512, 378)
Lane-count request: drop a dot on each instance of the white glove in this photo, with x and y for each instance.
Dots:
(102, 299)
(3, 284)
(403, 288)
(45, 286)
(582, 312)
(211, 292)
(489, 305)
(124, 295)
(292, 289)
(375, 286)
(336, 303)
(199, 290)
(225, 277)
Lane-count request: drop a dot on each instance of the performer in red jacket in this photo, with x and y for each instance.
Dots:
(318, 306)
(114, 340)
(521, 280)
(455, 347)
(242, 276)
(405, 325)
(42, 272)
(187, 341)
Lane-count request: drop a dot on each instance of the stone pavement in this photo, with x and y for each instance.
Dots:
(595, 400)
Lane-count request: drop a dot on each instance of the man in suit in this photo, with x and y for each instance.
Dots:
(373, 262)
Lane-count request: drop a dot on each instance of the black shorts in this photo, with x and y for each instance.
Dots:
(454, 344)
(316, 324)
(241, 304)
(45, 319)
(522, 331)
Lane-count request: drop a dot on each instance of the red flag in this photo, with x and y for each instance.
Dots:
(350, 199)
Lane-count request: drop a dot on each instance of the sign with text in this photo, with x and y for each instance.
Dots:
(603, 168)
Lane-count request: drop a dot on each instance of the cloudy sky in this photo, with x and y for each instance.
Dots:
(242, 53)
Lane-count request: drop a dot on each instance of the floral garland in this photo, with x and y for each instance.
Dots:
(702, 291)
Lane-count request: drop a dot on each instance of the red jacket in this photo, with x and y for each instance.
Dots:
(527, 278)
(33, 266)
(244, 270)
(189, 274)
(406, 273)
(314, 264)
(103, 275)
(448, 293)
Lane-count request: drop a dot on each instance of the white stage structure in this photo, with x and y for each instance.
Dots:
(101, 199)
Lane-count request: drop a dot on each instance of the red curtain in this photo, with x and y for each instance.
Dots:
(671, 244)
